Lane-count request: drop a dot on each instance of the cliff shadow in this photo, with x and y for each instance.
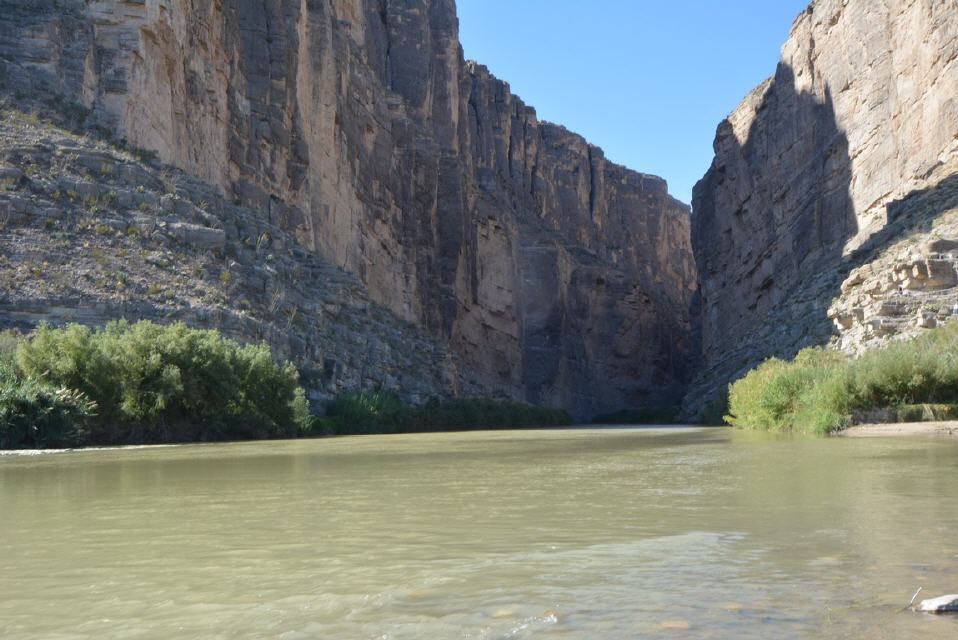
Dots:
(791, 181)
(771, 219)
(912, 214)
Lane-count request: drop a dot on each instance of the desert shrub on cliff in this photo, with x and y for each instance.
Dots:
(822, 390)
(384, 412)
(155, 383)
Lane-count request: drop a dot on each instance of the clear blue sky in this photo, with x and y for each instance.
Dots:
(646, 80)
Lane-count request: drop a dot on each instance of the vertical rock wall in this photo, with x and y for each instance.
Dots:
(862, 111)
(560, 277)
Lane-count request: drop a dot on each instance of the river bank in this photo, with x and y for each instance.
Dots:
(823, 390)
(145, 383)
(583, 428)
(899, 429)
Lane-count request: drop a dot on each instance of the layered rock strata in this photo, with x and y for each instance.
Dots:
(357, 127)
(909, 282)
(862, 112)
(90, 233)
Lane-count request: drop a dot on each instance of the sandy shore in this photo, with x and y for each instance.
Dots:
(122, 447)
(901, 429)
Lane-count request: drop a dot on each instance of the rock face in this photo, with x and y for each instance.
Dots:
(812, 169)
(357, 127)
(90, 233)
(910, 282)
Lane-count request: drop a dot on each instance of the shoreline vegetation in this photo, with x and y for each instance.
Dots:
(665, 415)
(823, 391)
(145, 383)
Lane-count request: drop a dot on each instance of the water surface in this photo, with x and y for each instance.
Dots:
(533, 534)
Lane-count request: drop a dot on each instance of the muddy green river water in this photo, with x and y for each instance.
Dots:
(586, 534)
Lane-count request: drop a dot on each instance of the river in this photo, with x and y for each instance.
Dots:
(579, 533)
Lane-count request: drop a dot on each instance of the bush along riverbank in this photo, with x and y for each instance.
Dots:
(652, 416)
(384, 412)
(823, 390)
(143, 383)
(146, 383)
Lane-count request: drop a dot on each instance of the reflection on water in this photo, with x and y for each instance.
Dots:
(548, 534)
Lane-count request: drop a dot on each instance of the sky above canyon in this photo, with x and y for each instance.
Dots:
(646, 80)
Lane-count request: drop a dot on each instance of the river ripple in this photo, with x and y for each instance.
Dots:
(535, 534)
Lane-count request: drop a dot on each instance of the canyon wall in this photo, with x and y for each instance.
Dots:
(357, 127)
(813, 174)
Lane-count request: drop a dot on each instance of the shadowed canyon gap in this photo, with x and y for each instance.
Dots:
(353, 135)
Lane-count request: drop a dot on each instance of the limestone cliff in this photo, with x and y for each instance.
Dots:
(357, 127)
(813, 172)
(90, 232)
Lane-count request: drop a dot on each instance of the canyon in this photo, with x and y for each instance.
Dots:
(333, 177)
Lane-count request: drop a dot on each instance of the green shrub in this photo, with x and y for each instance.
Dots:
(364, 412)
(148, 383)
(807, 394)
(384, 412)
(34, 414)
(155, 383)
(822, 390)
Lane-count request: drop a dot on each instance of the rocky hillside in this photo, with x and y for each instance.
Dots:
(90, 232)
(357, 129)
(908, 279)
(848, 148)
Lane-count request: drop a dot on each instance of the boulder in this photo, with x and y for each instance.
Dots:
(941, 604)
(198, 236)
(941, 274)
